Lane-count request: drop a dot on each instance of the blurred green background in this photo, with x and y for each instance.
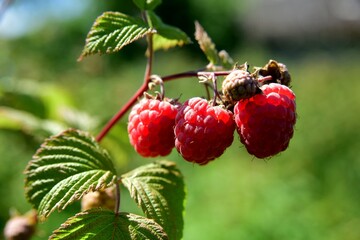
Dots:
(310, 191)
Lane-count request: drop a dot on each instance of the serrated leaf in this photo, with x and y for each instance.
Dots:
(106, 225)
(112, 31)
(206, 44)
(147, 4)
(64, 168)
(158, 188)
(167, 36)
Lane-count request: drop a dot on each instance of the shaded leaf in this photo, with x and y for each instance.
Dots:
(102, 224)
(147, 4)
(20, 120)
(158, 188)
(112, 31)
(64, 168)
(167, 36)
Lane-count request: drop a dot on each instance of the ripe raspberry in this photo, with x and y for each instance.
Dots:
(266, 121)
(239, 84)
(202, 131)
(151, 127)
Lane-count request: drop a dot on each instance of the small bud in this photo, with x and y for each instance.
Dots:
(102, 198)
(21, 227)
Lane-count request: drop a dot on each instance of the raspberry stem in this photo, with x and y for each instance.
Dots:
(264, 79)
(122, 112)
(158, 81)
(195, 73)
(117, 197)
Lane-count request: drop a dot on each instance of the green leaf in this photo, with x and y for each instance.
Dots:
(64, 168)
(206, 44)
(106, 225)
(216, 59)
(112, 31)
(147, 4)
(167, 36)
(225, 60)
(158, 188)
(14, 119)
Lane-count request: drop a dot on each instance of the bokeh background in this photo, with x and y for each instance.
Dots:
(310, 191)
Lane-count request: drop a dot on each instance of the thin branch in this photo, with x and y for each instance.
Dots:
(117, 197)
(148, 70)
(122, 112)
(195, 73)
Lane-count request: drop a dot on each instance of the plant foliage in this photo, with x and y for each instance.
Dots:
(147, 4)
(208, 47)
(112, 31)
(64, 168)
(158, 188)
(167, 36)
(105, 225)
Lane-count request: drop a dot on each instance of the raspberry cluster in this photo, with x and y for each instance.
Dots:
(262, 111)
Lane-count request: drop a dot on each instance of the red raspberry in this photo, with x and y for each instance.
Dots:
(151, 127)
(265, 122)
(202, 131)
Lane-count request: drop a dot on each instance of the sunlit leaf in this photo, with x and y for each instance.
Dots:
(225, 60)
(106, 225)
(158, 188)
(147, 4)
(167, 36)
(206, 44)
(112, 31)
(216, 59)
(64, 168)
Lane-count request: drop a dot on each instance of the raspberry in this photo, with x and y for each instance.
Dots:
(265, 122)
(239, 84)
(151, 127)
(202, 131)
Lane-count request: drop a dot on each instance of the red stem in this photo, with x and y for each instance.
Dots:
(122, 111)
(192, 74)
